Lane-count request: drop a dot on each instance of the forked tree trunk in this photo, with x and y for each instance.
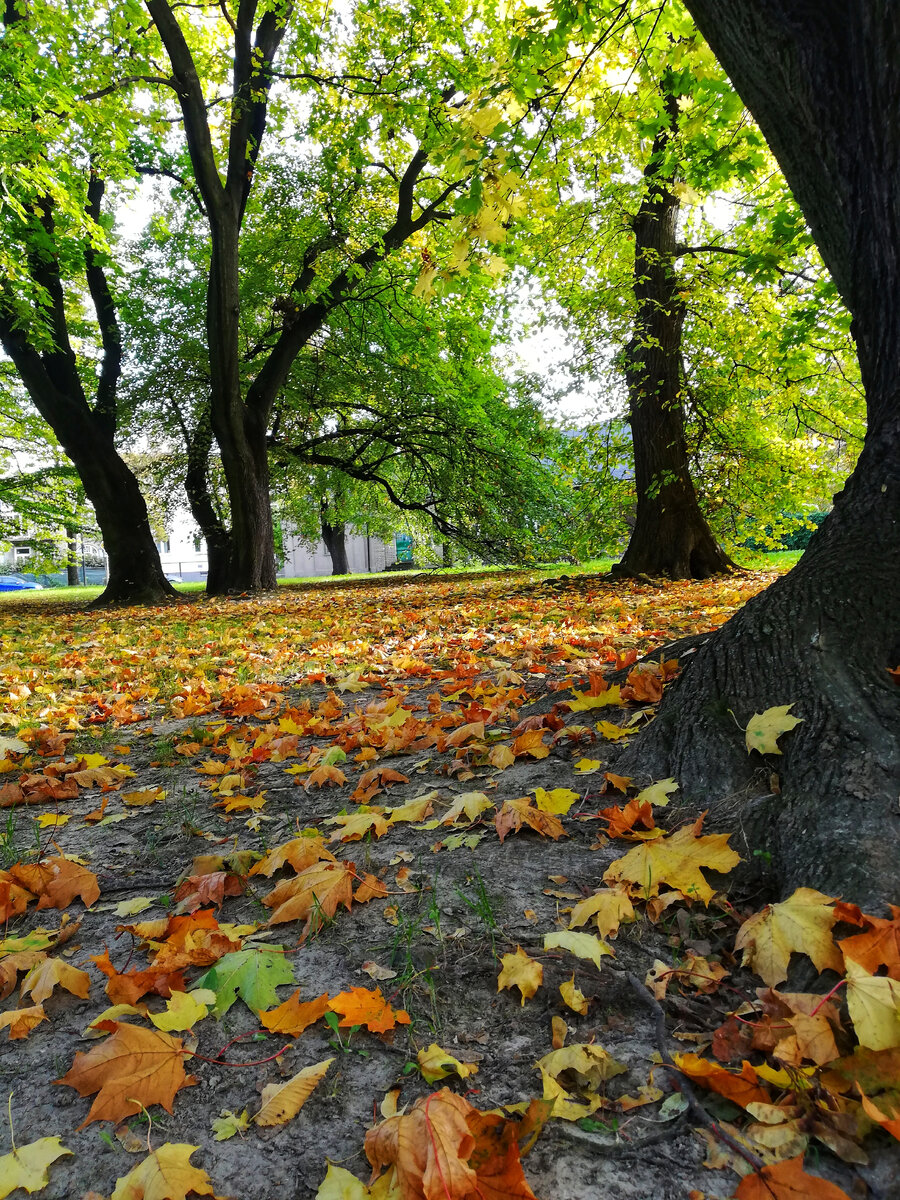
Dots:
(335, 538)
(670, 535)
(823, 85)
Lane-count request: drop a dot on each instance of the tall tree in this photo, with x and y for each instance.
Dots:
(379, 105)
(822, 83)
(54, 247)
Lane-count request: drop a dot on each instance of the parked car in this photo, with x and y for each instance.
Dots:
(174, 578)
(18, 583)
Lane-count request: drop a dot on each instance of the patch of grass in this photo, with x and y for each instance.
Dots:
(13, 846)
(477, 898)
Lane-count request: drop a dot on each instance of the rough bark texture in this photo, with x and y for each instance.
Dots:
(335, 539)
(821, 81)
(670, 535)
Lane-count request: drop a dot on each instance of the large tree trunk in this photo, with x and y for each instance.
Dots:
(203, 510)
(335, 538)
(823, 85)
(72, 556)
(670, 535)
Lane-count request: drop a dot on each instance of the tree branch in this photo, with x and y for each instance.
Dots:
(105, 308)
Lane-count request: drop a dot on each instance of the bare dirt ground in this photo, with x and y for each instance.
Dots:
(457, 898)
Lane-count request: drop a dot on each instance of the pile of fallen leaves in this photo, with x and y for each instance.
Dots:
(314, 696)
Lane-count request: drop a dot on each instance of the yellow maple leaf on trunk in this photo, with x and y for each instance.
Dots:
(676, 860)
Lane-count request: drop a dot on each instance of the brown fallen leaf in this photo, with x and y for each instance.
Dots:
(57, 881)
(519, 811)
(130, 1070)
(321, 888)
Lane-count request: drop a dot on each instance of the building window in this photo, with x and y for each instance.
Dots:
(163, 545)
(198, 545)
(23, 552)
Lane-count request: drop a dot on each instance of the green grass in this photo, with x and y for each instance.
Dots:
(753, 560)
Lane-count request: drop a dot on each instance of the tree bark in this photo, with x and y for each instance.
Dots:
(71, 556)
(335, 538)
(670, 535)
(203, 510)
(822, 83)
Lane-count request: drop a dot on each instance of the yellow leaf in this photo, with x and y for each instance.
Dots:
(584, 701)
(27, 1166)
(609, 907)
(472, 804)
(282, 1101)
(339, 1184)
(130, 908)
(184, 1010)
(874, 1005)
(483, 120)
(147, 796)
(435, 1063)
(521, 971)
(587, 766)
(412, 810)
(801, 925)
(357, 825)
(46, 820)
(44, 977)
(501, 757)
(658, 793)
(572, 995)
(591, 1064)
(582, 945)
(21, 1021)
(765, 728)
(565, 1106)
(559, 800)
(611, 731)
(165, 1174)
(676, 860)
(228, 1123)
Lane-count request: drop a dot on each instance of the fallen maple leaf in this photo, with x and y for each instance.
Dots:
(292, 1017)
(742, 1087)
(253, 975)
(282, 1101)
(355, 826)
(320, 888)
(558, 800)
(299, 853)
(873, 1002)
(787, 1181)
(130, 1070)
(677, 861)
(45, 976)
(582, 945)
(878, 946)
(26, 1167)
(127, 987)
(57, 881)
(531, 743)
(889, 1120)
(166, 1174)
(522, 971)
(184, 1010)
(360, 1006)
(609, 907)
(21, 1021)
(573, 996)
(801, 924)
(519, 811)
(765, 728)
(589, 1063)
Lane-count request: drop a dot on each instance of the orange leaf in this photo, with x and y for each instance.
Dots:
(131, 1069)
(622, 820)
(787, 1181)
(370, 888)
(21, 1021)
(429, 1147)
(878, 946)
(129, 986)
(326, 775)
(299, 853)
(57, 881)
(514, 813)
(321, 887)
(743, 1088)
(531, 743)
(211, 888)
(292, 1017)
(360, 1006)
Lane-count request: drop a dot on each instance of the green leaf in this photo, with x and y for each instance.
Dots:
(251, 974)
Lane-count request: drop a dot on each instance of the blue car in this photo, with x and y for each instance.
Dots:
(18, 583)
